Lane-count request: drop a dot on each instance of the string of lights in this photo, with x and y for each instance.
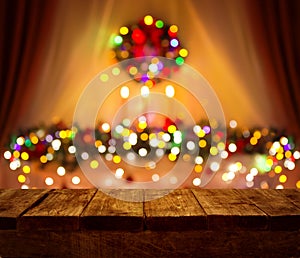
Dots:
(274, 153)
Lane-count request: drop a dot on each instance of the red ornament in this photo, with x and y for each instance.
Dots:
(138, 36)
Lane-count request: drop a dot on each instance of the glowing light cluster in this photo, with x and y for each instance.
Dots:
(150, 37)
(46, 145)
(274, 155)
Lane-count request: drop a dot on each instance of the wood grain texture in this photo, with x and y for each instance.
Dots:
(107, 213)
(14, 202)
(179, 210)
(205, 243)
(236, 223)
(60, 210)
(292, 194)
(228, 209)
(283, 214)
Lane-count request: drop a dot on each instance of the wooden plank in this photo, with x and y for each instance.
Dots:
(292, 194)
(59, 211)
(177, 211)
(227, 209)
(14, 202)
(149, 244)
(283, 214)
(107, 213)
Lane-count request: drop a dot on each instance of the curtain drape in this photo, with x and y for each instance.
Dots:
(275, 26)
(24, 28)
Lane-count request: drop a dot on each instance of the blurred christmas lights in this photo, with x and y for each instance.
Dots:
(150, 37)
(274, 154)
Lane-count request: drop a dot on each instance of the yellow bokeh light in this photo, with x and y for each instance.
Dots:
(257, 134)
(173, 28)
(126, 146)
(142, 125)
(288, 154)
(25, 156)
(98, 143)
(125, 132)
(160, 135)
(21, 179)
(16, 154)
(278, 169)
(115, 71)
(172, 157)
(94, 164)
(124, 30)
(269, 162)
(198, 168)
(161, 144)
(239, 165)
(298, 184)
(213, 123)
(282, 179)
(202, 143)
(117, 159)
(26, 169)
(253, 140)
(213, 151)
(148, 19)
(183, 52)
(201, 133)
(43, 159)
(144, 136)
(225, 177)
(104, 77)
(150, 75)
(34, 139)
(152, 136)
(62, 134)
(69, 133)
(221, 146)
(149, 84)
(171, 128)
(133, 70)
(279, 156)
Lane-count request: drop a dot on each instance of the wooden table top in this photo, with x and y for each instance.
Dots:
(181, 210)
